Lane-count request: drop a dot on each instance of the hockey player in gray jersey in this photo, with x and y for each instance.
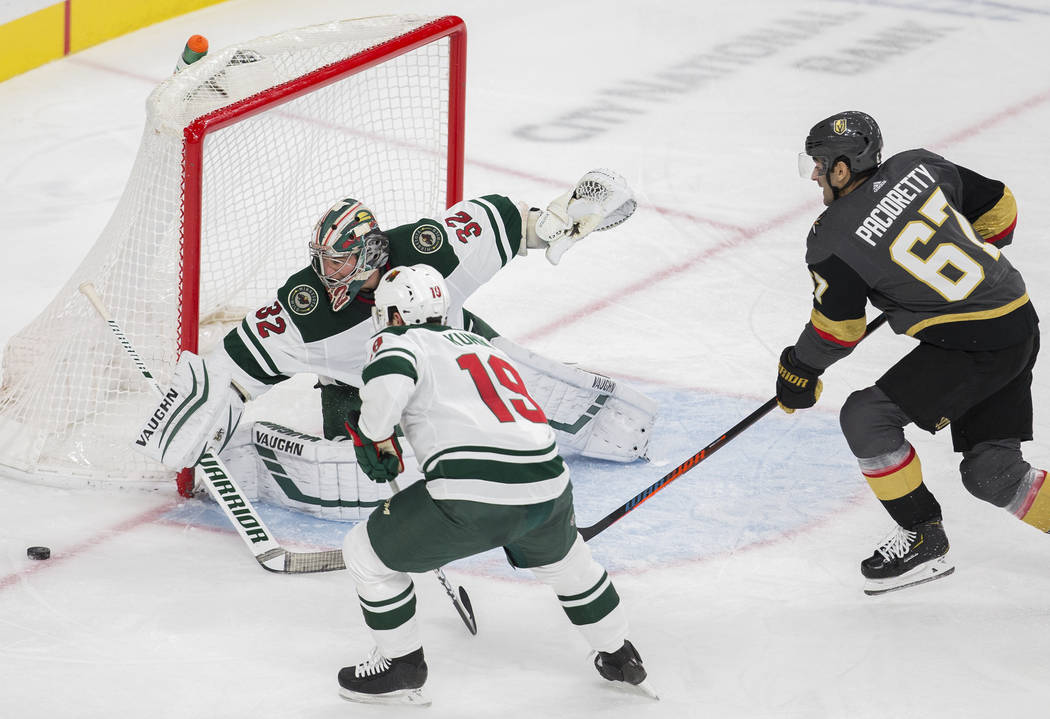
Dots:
(492, 478)
(920, 238)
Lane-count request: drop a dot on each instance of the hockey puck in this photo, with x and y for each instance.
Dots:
(38, 552)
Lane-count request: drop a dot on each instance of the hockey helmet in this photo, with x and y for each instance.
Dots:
(851, 136)
(347, 246)
(418, 293)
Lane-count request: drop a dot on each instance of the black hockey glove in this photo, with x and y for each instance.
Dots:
(381, 460)
(798, 385)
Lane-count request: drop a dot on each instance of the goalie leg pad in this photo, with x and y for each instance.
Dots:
(308, 474)
(590, 413)
(199, 410)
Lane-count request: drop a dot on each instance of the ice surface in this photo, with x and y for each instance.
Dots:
(740, 578)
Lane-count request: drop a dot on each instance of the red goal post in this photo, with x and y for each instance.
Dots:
(241, 153)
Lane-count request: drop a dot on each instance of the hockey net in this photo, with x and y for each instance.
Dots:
(242, 152)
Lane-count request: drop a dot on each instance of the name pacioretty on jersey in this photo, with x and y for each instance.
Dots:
(893, 204)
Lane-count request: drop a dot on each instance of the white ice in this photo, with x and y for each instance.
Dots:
(741, 578)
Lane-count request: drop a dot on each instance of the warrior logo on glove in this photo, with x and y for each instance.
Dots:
(798, 385)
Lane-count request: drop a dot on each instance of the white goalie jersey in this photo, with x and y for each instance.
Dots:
(300, 332)
(476, 432)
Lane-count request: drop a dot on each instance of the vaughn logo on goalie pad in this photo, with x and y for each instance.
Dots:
(279, 444)
(158, 416)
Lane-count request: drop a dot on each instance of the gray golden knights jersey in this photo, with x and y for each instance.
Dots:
(299, 333)
(477, 433)
(920, 239)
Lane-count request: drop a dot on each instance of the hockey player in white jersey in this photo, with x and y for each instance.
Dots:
(493, 478)
(319, 320)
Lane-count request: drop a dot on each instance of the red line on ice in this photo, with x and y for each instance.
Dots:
(742, 235)
(60, 555)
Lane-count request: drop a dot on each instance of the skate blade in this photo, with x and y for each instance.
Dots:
(644, 689)
(413, 697)
(936, 569)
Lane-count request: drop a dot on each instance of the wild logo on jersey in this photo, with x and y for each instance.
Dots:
(303, 299)
(427, 239)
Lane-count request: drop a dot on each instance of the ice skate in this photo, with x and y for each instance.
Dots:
(624, 665)
(907, 558)
(378, 680)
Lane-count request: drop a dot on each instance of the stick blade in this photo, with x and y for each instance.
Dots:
(282, 561)
(466, 612)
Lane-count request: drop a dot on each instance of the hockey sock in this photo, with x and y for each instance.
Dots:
(896, 479)
(1032, 503)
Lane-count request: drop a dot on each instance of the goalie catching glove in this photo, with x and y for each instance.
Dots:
(380, 460)
(600, 200)
(198, 412)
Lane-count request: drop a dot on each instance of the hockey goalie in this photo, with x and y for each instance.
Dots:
(320, 321)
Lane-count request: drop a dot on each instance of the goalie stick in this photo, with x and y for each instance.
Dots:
(632, 504)
(227, 494)
(224, 489)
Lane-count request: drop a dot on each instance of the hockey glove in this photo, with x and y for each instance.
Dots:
(381, 460)
(798, 385)
(600, 200)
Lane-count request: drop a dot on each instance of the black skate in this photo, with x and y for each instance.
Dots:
(908, 557)
(378, 680)
(624, 665)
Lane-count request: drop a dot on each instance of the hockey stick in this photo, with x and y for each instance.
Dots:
(228, 495)
(462, 603)
(608, 520)
(224, 490)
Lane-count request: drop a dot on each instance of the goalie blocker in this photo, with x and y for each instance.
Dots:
(199, 410)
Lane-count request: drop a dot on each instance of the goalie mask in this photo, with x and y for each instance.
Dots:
(347, 247)
(418, 293)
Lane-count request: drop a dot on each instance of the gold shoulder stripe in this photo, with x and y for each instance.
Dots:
(999, 217)
(967, 316)
(842, 331)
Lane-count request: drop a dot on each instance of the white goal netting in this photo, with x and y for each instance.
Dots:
(288, 124)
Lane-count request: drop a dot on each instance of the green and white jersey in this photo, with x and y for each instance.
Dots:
(299, 333)
(476, 432)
